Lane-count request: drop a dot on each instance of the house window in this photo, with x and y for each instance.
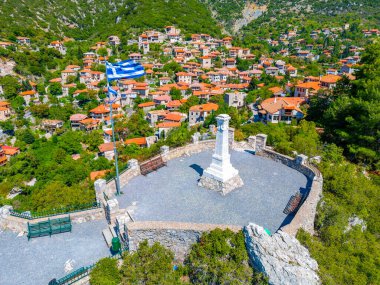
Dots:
(275, 118)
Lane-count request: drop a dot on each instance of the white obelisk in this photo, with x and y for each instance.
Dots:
(221, 176)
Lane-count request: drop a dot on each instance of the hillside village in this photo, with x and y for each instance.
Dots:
(278, 99)
(198, 74)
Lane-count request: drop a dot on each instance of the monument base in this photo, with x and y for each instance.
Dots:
(220, 186)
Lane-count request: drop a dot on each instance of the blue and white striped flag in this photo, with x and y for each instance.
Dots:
(112, 91)
(124, 70)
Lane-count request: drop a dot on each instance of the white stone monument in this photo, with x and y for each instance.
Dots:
(221, 176)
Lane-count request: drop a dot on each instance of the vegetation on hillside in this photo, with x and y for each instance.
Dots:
(105, 272)
(84, 20)
(346, 255)
(61, 181)
(351, 114)
(219, 257)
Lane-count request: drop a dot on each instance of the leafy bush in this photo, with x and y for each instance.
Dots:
(150, 265)
(345, 256)
(105, 272)
(220, 257)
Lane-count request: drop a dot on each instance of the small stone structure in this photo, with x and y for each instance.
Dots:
(281, 257)
(221, 176)
(261, 142)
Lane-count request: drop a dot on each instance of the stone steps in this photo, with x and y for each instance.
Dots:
(108, 234)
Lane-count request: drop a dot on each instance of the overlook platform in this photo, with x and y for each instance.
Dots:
(172, 193)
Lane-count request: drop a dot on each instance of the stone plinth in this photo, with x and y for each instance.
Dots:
(219, 186)
(221, 176)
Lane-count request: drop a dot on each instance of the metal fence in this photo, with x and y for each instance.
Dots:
(80, 273)
(55, 212)
(112, 176)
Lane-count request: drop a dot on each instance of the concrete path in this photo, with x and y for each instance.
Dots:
(39, 260)
(172, 194)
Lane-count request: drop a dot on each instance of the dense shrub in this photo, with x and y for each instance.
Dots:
(220, 257)
(105, 272)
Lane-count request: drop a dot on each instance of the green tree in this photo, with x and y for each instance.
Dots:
(40, 110)
(175, 93)
(149, 265)
(27, 136)
(220, 257)
(102, 52)
(11, 86)
(352, 118)
(105, 272)
(55, 89)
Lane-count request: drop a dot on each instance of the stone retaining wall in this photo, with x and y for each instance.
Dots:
(176, 236)
(189, 149)
(17, 224)
(304, 218)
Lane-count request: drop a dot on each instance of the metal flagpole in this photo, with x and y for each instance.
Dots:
(113, 138)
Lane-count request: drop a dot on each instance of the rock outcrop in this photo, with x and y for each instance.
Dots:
(281, 257)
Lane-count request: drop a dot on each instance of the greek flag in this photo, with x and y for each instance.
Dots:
(124, 70)
(112, 91)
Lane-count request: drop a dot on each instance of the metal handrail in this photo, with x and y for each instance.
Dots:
(55, 212)
(82, 272)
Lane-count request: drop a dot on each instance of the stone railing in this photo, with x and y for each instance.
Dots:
(176, 236)
(304, 217)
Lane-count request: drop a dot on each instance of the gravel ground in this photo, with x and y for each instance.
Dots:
(172, 194)
(39, 260)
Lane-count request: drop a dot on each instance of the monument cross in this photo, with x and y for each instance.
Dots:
(221, 176)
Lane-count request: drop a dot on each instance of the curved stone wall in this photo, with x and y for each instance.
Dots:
(304, 218)
(176, 236)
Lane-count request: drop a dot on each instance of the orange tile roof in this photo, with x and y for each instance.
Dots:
(77, 117)
(29, 92)
(10, 150)
(80, 91)
(89, 121)
(205, 107)
(106, 147)
(275, 89)
(101, 109)
(330, 78)
(168, 125)
(309, 85)
(3, 158)
(55, 80)
(272, 105)
(173, 117)
(138, 141)
(174, 103)
(146, 104)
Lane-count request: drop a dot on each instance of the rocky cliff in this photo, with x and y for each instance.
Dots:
(281, 257)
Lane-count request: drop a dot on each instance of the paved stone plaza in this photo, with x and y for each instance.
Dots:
(172, 194)
(39, 260)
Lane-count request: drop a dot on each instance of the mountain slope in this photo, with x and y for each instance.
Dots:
(82, 19)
